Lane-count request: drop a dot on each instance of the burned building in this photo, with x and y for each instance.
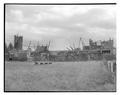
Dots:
(101, 49)
(18, 42)
(107, 44)
(94, 45)
(100, 45)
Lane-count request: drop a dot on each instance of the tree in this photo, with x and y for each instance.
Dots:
(10, 47)
(6, 48)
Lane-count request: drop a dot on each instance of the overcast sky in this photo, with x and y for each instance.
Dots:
(63, 25)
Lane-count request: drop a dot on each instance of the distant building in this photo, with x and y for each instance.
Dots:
(18, 42)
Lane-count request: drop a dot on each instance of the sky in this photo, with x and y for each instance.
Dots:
(62, 25)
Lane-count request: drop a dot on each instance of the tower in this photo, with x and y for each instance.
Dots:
(18, 42)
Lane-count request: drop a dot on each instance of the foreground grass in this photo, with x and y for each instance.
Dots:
(59, 76)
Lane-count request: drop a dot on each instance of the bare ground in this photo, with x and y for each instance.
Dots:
(58, 76)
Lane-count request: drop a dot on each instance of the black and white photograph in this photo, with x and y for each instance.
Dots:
(60, 47)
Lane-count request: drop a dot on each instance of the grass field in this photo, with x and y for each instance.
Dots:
(58, 76)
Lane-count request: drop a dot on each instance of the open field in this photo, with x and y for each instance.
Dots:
(59, 76)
